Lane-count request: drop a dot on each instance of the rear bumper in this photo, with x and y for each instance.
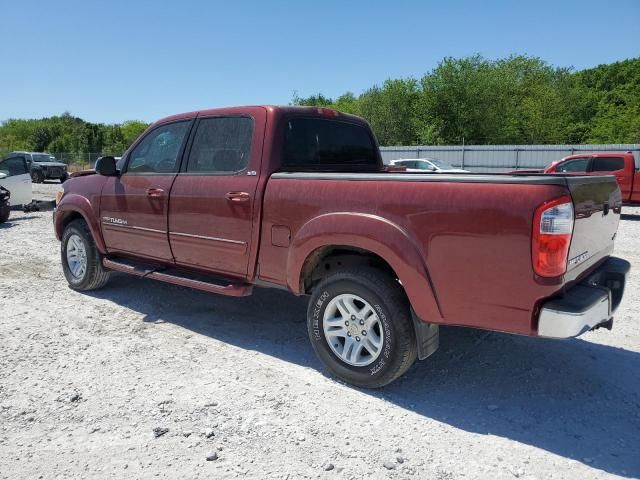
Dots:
(587, 305)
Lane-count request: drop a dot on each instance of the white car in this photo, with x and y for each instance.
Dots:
(426, 165)
(15, 177)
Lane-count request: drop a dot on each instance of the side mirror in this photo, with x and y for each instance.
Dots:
(106, 166)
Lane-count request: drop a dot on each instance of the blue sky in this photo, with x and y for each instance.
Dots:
(109, 61)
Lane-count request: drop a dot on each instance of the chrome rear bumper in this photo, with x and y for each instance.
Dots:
(587, 305)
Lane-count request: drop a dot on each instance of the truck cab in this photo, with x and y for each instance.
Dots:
(621, 165)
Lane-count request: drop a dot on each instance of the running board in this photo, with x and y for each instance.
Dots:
(179, 277)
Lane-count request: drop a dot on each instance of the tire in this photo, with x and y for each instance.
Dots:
(93, 276)
(388, 308)
(64, 178)
(37, 176)
(5, 212)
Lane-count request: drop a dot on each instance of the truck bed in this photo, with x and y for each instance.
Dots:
(462, 240)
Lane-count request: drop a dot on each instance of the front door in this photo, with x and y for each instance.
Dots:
(213, 198)
(17, 180)
(134, 205)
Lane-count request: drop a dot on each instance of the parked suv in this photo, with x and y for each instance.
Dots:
(43, 166)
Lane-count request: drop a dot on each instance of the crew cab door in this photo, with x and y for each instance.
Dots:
(134, 205)
(17, 180)
(615, 165)
(213, 200)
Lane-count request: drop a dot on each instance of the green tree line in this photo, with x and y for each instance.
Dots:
(68, 134)
(515, 100)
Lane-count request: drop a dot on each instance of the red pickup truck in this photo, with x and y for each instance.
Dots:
(621, 165)
(298, 198)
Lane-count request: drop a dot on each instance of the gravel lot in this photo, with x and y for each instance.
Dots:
(146, 380)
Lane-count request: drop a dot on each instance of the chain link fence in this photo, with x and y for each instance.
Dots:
(79, 161)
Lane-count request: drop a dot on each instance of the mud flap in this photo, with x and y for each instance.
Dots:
(427, 337)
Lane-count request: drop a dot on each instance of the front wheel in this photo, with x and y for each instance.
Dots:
(37, 176)
(360, 327)
(64, 177)
(81, 261)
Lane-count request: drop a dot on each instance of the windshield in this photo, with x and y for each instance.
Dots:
(43, 157)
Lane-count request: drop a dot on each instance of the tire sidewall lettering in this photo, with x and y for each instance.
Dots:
(318, 333)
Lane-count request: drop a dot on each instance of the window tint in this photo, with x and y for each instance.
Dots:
(574, 165)
(221, 144)
(607, 164)
(14, 166)
(158, 151)
(312, 143)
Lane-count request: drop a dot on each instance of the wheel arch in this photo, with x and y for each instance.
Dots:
(325, 242)
(75, 207)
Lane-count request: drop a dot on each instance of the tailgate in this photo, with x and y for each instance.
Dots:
(597, 203)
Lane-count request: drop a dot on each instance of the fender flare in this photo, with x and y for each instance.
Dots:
(374, 234)
(77, 204)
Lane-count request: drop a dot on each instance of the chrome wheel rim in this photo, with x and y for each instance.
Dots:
(353, 330)
(76, 256)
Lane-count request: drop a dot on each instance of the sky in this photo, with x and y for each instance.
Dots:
(110, 61)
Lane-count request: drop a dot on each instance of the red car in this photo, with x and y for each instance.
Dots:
(622, 165)
(298, 198)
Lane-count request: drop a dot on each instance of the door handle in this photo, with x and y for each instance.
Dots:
(155, 192)
(237, 196)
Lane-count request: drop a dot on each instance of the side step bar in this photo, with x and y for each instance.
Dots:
(179, 277)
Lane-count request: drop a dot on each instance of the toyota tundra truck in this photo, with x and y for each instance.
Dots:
(298, 198)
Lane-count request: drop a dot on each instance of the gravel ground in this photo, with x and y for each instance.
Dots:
(146, 380)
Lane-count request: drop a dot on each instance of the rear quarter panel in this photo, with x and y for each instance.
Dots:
(470, 242)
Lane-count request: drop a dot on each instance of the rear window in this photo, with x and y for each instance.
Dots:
(607, 164)
(321, 144)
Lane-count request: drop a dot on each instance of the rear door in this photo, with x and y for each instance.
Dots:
(18, 179)
(214, 196)
(614, 165)
(134, 205)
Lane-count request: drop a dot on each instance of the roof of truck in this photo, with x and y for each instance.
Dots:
(276, 109)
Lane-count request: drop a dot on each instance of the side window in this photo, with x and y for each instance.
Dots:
(574, 165)
(221, 145)
(158, 151)
(14, 166)
(607, 164)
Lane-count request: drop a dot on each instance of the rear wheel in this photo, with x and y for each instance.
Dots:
(360, 327)
(81, 261)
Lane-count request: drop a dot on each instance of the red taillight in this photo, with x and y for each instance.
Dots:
(552, 230)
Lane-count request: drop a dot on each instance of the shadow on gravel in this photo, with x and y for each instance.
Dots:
(14, 220)
(572, 398)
